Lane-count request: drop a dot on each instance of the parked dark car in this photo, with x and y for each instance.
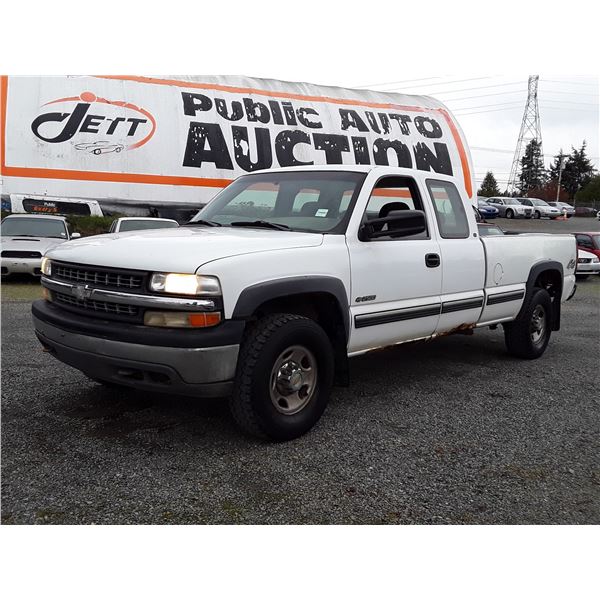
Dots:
(487, 210)
(584, 211)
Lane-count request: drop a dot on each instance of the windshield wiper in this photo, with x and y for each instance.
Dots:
(202, 222)
(260, 223)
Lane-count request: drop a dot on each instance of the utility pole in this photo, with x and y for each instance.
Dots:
(561, 166)
(530, 130)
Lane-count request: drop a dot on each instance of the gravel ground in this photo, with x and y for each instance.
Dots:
(451, 431)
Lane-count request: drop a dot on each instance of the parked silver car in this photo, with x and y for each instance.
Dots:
(541, 208)
(511, 208)
(26, 238)
(565, 209)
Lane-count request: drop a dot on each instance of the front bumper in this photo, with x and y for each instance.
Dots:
(588, 268)
(139, 359)
(29, 266)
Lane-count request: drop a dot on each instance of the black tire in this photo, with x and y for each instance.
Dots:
(528, 336)
(509, 214)
(253, 402)
(537, 214)
(581, 277)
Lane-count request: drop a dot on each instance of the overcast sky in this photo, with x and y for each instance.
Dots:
(490, 110)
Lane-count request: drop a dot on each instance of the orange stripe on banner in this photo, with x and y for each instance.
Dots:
(199, 181)
(3, 99)
(113, 177)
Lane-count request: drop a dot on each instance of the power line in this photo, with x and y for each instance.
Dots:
(444, 83)
(417, 88)
(395, 82)
(457, 110)
(571, 82)
(484, 96)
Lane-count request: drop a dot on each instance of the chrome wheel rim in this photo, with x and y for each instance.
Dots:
(293, 380)
(537, 328)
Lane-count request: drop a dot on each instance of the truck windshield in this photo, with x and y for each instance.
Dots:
(34, 227)
(319, 201)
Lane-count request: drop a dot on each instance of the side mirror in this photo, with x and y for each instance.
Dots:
(75, 235)
(398, 223)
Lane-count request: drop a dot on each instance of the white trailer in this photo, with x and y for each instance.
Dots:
(141, 142)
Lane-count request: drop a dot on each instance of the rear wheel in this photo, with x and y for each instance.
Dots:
(537, 214)
(284, 378)
(528, 336)
(509, 214)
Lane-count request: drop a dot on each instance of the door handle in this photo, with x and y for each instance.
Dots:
(432, 260)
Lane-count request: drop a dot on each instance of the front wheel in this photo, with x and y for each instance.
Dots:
(284, 377)
(528, 336)
(510, 214)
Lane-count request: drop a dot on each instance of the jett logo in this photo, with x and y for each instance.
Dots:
(113, 124)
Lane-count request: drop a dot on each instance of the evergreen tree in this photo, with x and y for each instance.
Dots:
(590, 194)
(578, 171)
(489, 186)
(533, 173)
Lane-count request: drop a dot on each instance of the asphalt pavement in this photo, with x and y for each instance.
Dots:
(449, 431)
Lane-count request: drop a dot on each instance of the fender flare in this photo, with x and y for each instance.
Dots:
(534, 273)
(255, 295)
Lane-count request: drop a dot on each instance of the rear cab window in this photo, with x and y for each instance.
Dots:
(449, 209)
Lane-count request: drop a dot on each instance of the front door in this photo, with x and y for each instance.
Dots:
(395, 282)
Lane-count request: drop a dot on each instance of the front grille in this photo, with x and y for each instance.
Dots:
(126, 310)
(21, 254)
(97, 276)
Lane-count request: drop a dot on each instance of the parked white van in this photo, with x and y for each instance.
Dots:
(48, 205)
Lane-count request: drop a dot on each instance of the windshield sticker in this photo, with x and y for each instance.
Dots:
(322, 212)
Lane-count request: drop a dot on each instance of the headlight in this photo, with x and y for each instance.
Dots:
(595, 260)
(46, 266)
(182, 283)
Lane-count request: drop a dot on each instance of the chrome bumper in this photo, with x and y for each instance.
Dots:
(204, 372)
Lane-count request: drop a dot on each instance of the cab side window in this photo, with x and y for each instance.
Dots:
(449, 209)
(394, 194)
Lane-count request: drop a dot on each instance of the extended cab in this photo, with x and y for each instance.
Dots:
(286, 274)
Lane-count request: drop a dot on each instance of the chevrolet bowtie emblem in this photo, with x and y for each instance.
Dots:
(82, 292)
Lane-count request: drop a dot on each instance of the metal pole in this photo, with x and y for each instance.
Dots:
(560, 170)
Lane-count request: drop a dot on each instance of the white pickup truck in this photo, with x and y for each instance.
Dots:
(286, 274)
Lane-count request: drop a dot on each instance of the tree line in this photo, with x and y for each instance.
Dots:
(579, 180)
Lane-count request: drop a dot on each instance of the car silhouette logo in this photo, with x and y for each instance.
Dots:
(100, 147)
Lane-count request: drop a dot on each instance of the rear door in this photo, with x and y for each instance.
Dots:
(462, 257)
(395, 282)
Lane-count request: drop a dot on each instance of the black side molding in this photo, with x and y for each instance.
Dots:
(505, 297)
(401, 314)
(466, 304)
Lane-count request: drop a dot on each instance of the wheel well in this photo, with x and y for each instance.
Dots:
(322, 308)
(551, 280)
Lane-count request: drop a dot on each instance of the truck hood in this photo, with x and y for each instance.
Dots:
(180, 250)
(29, 244)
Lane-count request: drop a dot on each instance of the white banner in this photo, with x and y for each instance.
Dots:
(181, 140)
